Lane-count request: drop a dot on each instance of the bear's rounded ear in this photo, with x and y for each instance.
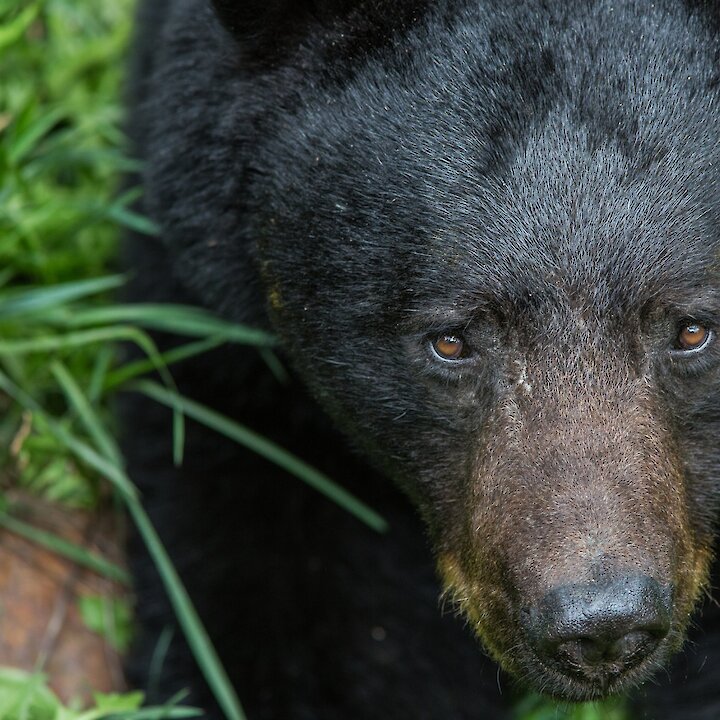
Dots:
(267, 26)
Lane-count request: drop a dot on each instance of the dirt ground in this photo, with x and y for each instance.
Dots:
(41, 625)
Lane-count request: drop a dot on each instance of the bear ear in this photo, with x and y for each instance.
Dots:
(266, 26)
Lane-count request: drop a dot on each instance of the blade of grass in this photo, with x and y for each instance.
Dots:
(156, 713)
(266, 449)
(275, 366)
(100, 370)
(66, 341)
(122, 213)
(125, 217)
(193, 628)
(16, 303)
(140, 367)
(180, 319)
(11, 32)
(67, 549)
(26, 141)
(104, 442)
(157, 661)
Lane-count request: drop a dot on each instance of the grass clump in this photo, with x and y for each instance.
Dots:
(61, 154)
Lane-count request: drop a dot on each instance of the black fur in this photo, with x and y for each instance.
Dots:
(361, 176)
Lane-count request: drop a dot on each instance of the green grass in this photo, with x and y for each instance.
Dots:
(25, 696)
(61, 155)
(534, 707)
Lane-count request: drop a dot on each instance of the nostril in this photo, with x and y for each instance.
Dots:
(636, 645)
(600, 628)
(595, 652)
(633, 646)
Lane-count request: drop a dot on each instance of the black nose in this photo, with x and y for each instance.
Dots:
(600, 630)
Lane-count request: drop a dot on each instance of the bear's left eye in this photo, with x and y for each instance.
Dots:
(692, 337)
(450, 347)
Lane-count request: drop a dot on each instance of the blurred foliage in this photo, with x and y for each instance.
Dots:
(26, 696)
(535, 707)
(60, 149)
(61, 154)
(110, 617)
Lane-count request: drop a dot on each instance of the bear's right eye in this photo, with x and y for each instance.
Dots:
(450, 347)
(693, 337)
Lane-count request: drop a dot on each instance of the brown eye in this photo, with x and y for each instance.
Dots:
(693, 336)
(449, 347)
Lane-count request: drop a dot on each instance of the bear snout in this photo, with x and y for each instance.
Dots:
(574, 555)
(598, 631)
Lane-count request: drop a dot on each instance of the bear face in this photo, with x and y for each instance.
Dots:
(488, 241)
(546, 199)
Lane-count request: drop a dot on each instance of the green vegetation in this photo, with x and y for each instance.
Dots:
(534, 707)
(61, 156)
(25, 696)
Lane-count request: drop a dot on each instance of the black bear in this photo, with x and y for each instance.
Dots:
(487, 236)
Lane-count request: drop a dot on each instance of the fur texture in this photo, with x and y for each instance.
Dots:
(538, 178)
